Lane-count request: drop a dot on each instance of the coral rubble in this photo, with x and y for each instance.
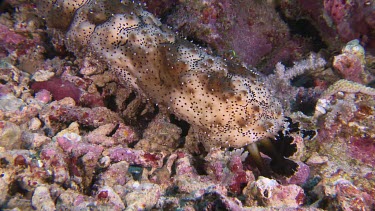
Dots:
(102, 107)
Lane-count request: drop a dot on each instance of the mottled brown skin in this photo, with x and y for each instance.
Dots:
(224, 103)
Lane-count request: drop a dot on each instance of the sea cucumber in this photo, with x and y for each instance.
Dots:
(225, 103)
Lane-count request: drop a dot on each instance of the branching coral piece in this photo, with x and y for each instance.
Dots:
(348, 87)
(280, 81)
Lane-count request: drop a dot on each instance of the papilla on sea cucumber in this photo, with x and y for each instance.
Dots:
(226, 105)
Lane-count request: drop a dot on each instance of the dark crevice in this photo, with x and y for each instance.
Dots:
(306, 106)
(86, 128)
(50, 49)
(304, 28)
(100, 90)
(173, 170)
(211, 201)
(130, 98)
(145, 119)
(185, 126)
(140, 122)
(5, 7)
(2, 81)
(307, 98)
(304, 80)
(164, 17)
(114, 130)
(308, 187)
(3, 163)
(110, 103)
(15, 187)
(199, 165)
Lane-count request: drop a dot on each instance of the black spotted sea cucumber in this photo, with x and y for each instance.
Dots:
(226, 105)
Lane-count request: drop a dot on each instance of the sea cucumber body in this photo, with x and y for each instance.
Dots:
(224, 102)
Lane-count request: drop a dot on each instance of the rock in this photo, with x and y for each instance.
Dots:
(10, 135)
(267, 192)
(42, 200)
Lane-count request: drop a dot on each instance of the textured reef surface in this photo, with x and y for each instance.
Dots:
(187, 105)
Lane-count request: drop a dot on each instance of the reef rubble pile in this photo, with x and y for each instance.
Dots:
(105, 107)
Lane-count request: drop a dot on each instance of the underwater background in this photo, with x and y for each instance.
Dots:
(187, 105)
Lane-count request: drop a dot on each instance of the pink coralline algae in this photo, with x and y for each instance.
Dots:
(43, 96)
(55, 162)
(190, 182)
(300, 176)
(77, 148)
(61, 88)
(349, 197)
(58, 88)
(136, 157)
(359, 145)
(12, 42)
(65, 111)
(109, 199)
(239, 175)
(349, 66)
(229, 170)
(123, 135)
(344, 127)
(352, 19)
(344, 195)
(115, 175)
(79, 157)
(345, 120)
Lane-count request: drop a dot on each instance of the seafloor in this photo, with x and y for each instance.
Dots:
(75, 136)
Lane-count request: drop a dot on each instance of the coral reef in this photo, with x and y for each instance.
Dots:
(86, 121)
(344, 115)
